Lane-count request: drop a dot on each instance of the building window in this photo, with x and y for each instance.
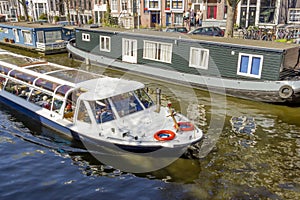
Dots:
(294, 15)
(114, 5)
(154, 4)
(250, 65)
(123, 5)
(177, 4)
(199, 58)
(267, 10)
(104, 43)
(157, 51)
(86, 37)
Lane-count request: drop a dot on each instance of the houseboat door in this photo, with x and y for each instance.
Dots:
(129, 50)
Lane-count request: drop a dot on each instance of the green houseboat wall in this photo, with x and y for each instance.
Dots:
(223, 59)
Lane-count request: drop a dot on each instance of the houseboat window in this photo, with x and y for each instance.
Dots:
(22, 76)
(85, 37)
(17, 89)
(102, 110)
(52, 36)
(126, 104)
(40, 36)
(41, 99)
(144, 98)
(16, 34)
(27, 37)
(250, 65)
(199, 58)
(83, 114)
(5, 30)
(104, 43)
(157, 51)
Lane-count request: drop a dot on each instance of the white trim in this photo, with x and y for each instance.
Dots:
(129, 50)
(202, 63)
(248, 74)
(157, 55)
(86, 37)
(105, 43)
(26, 31)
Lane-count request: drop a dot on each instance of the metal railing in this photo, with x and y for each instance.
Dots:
(51, 46)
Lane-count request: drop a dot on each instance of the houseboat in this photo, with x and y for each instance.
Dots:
(36, 36)
(255, 70)
(95, 109)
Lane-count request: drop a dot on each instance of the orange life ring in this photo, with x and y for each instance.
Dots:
(164, 135)
(186, 126)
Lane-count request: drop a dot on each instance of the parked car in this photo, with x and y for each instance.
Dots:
(177, 29)
(209, 30)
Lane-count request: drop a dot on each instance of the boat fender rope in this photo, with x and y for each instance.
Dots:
(286, 91)
(164, 135)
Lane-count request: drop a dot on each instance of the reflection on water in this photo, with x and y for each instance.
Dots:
(262, 165)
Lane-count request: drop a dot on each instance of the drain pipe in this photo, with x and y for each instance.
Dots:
(158, 100)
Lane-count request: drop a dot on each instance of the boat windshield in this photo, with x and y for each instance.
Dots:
(131, 102)
(102, 111)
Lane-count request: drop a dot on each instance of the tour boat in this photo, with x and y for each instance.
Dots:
(97, 109)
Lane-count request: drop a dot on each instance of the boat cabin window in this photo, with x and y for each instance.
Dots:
(45, 84)
(2, 82)
(126, 104)
(17, 89)
(102, 111)
(63, 89)
(41, 99)
(4, 70)
(22, 76)
(250, 65)
(83, 114)
(144, 98)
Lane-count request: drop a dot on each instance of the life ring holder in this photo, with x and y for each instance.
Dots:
(186, 126)
(285, 91)
(164, 135)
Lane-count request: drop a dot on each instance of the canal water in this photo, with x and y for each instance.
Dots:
(251, 150)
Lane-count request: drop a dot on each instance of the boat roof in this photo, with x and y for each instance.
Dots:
(53, 77)
(239, 42)
(38, 24)
(107, 87)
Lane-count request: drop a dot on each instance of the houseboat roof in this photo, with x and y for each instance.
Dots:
(31, 24)
(243, 43)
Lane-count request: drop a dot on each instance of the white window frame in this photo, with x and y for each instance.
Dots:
(30, 34)
(156, 54)
(200, 62)
(129, 50)
(114, 6)
(86, 37)
(105, 44)
(16, 34)
(251, 56)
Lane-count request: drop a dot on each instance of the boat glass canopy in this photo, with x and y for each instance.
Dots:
(74, 76)
(15, 60)
(44, 68)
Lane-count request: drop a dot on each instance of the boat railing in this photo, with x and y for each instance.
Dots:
(51, 46)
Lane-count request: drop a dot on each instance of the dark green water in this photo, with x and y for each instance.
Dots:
(39, 163)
